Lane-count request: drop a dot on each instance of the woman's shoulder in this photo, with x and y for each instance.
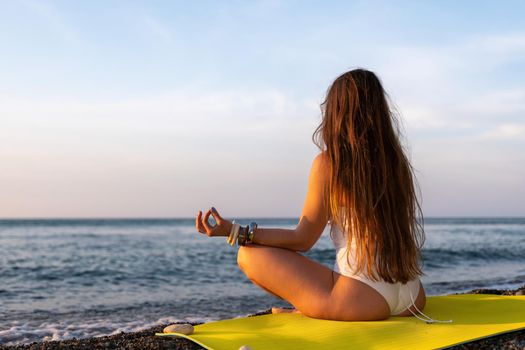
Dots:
(321, 160)
(319, 170)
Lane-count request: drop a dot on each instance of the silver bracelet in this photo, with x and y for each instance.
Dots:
(231, 236)
(242, 236)
(251, 229)
(236, 234)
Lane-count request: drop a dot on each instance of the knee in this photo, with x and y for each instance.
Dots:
(329, 308)
(319, 309)
(246, 256)
(242, 257)
(315, 313)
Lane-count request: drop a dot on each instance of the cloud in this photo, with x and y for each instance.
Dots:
(420, 117)
(497, 103)
(184, 107)
(495, 109)
(180, 123)
(446, 88)
(506, 132)
(509, 45)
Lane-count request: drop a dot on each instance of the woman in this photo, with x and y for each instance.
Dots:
(362, 183)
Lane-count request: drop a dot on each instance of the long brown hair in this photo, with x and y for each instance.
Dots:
(371, 189)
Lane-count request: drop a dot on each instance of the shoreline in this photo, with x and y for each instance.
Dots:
(146, 339)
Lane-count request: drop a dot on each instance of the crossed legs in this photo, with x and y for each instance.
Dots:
(312, 288)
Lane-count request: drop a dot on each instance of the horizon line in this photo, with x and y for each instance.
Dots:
(241, 217)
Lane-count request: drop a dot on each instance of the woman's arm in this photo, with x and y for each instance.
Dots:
(313, 218)
(310, 227)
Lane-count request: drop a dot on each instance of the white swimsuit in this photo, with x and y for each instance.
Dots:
(398, 296)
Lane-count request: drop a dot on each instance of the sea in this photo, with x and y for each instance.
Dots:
(61, 279)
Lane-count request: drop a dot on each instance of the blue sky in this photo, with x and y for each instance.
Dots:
(127, 108)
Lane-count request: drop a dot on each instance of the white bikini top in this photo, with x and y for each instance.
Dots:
(339, 239)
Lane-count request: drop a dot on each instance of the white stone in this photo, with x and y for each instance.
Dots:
(245, 347)
(184, 328)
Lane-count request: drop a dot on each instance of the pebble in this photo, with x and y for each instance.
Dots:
(184, 328)
(245, 347)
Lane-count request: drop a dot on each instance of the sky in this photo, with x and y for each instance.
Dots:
(165, 108)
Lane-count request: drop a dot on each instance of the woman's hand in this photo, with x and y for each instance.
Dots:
(222, 228)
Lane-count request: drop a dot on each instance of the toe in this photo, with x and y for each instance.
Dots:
(278, 310)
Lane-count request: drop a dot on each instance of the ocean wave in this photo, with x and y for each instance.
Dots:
(465, 285)
(26, 332)
(441, 257)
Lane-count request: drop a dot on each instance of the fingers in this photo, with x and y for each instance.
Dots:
(216, 216)
(202, 223)
(198, 223)
(206, 223)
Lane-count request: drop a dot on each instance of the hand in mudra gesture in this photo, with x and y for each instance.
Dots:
(221, 228)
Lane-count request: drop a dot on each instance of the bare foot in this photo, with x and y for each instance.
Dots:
(282, 310)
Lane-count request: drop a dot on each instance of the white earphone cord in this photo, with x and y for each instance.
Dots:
(425, 318)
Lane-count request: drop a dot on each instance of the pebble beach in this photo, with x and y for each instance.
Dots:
(146, 339)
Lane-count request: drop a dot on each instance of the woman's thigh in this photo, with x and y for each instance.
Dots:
(312, 288)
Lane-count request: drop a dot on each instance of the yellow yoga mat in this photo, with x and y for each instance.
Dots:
(474, 316)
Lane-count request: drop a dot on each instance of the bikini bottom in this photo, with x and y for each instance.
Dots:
(398, 296)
